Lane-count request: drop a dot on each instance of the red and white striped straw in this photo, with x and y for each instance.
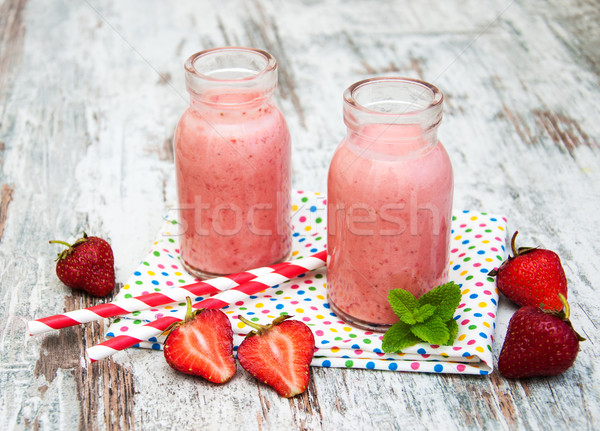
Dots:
(158, 326)
(149, 300)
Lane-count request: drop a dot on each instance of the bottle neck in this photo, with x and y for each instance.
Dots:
(392, 140)
(229, 99)
(392, 116)
(230, 79)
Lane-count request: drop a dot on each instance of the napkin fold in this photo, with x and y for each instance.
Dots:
(477, 246)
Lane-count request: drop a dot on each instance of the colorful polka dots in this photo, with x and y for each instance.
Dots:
(477, 246)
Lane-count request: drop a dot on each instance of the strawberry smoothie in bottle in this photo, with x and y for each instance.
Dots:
(389, 206)
(232, 156)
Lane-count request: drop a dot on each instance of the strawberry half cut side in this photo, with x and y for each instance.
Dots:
(279, 354)
(202, 345)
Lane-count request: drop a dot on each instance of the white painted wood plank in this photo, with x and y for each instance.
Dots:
(90, 94)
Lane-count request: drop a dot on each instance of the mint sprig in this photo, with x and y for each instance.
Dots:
(429, 318)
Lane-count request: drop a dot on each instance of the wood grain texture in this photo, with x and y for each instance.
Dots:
(91, 91)
(104, 390)
(5, 198)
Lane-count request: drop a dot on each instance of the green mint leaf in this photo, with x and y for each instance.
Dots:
(429, 318)
(424, 312)
(433, 330)
(398, 337)
(445, 298)
(453, 330)
(403, 303)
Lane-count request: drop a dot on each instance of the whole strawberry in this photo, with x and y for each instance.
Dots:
(202, 345)
(279, 354)
(532, 276)
(538, 343)
(87, 264)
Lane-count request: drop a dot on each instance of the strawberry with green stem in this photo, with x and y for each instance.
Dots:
(279, 354)
(539, 343)
(532, 276)
(87, 264)
(202, 345)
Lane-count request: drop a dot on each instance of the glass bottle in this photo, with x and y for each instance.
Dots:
(390, 190)
(232, 158)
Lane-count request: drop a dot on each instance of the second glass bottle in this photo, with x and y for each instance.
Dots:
(389, 205)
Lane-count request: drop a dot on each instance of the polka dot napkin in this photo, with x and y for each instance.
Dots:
(477, 246)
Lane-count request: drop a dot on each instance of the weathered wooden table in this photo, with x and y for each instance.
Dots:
(90, 92)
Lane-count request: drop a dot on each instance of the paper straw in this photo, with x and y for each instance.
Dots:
(149, 300)
(223, 299)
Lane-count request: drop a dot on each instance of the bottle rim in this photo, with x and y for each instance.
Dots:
(270, 64)
(434, 105)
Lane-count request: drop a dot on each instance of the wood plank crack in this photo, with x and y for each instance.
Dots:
(565, 132)
(64, 350)
(275, 46)
(6, 196)
(11, 38)
(306, 406)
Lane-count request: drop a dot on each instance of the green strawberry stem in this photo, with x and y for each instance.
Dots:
(564, 314)
(256, 326)
(63, 254)
(260, 329)
(521, 250)
(190, 314)
(567, 308)
(54, 241)
(513, 245)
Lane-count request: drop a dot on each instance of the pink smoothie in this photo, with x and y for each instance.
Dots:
(389, 215)
(233, 181)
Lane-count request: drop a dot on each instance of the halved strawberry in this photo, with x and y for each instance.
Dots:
(202, 345)
(279, 354)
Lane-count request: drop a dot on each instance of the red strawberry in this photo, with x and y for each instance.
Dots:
(87, 265)
(532, 276)
(202, 345)
(279, 354)
(538, 343)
